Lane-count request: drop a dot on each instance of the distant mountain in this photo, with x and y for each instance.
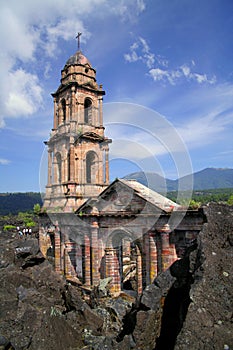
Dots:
(209, 178)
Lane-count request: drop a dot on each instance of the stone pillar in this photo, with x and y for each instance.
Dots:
(72, 112)
(72, 161)
(59, 114)
(63, 175)
(57, 249)
(106, 167)
(139, 271)
(55, 170)
(146, 254)
(65, 165)
(55, 116)
(101, 258)
(95, 253)
(153, 257)
(112, 269)
(87, 260)
(49, 167)
(67, 113)
(101, 111)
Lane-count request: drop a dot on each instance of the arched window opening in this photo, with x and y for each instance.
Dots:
(58, 159)
(91, 167)
(87, 110)
(63, 103)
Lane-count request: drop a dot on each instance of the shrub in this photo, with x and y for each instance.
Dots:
(9, 227)
(30, 224)
(36, 209)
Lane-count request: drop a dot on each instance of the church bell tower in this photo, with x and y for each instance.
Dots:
(78, 166)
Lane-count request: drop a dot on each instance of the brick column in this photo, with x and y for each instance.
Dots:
(70, 259)
(95, 253)
(153, 270)
(57, 252)
(168, 255)
(139, 271)
(112, 269)
(146, 254)
(87, 260)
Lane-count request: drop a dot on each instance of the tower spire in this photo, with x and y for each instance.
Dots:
(78, 37)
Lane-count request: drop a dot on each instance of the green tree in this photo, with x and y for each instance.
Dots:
(230, 200)
(30, 224)
(36, 209)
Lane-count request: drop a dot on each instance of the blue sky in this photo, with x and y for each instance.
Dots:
(167, 63)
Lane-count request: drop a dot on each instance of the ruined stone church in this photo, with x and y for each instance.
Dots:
(91, 229)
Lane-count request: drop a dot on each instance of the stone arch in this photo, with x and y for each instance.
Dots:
(87, 110)
(91, 167)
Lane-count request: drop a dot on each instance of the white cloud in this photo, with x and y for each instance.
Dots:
(140, 51)
(158, 66)
(127, 9)
(205, 129)
(25, 94)
(203, 117)
(30, 30)
(172, 76)
(4, 161)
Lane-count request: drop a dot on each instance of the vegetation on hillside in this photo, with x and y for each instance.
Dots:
(12, 203)
(224, 195)
(28, 219)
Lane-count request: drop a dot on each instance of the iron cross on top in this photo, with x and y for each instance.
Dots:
(78, 37)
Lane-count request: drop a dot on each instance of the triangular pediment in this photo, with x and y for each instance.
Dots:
(123, 197)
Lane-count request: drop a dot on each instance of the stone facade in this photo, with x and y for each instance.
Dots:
(92, 230)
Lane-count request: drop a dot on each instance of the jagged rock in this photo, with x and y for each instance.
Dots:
(97, 342)
(153, 294)
(188, 306)
(103, 287)
(27, 253)
(208, 324)
(33, 311)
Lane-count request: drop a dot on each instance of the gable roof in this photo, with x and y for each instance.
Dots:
(151, 196)
(140, 190)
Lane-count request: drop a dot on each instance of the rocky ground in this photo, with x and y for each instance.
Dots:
(188, 307)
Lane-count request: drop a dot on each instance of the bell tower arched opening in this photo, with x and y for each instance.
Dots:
(87, 111)
(91, 167)
(63, 104)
